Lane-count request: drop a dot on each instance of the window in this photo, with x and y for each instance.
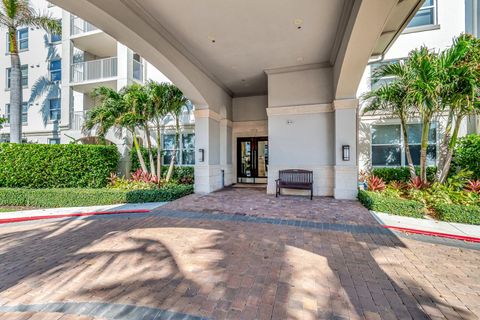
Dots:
(426, 15)
(374, 67)
(54, 141)
(54, 110)
(22, 39)
(186, 152)
(56, 70)
(24, 69)
(54, 38)
(188, 149)
(24, 112)
(388, 145)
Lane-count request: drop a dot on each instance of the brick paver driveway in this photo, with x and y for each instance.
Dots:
(246, 264)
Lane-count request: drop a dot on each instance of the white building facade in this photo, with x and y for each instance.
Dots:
(60, 73)
(435, 25)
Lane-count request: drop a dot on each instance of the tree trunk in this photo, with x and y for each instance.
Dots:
(444, 147)
(149, 149)
(408, 154)
(139, 152)
(423, 150)
(174, 157)
(451, 147)
(16, 98)
(159, 153)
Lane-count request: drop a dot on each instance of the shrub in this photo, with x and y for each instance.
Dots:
(417, 184)
(56, 166)
(473, 186)
(400, 174)
(183, 174)
(466, 155)
(55, 198)
(378, 202)
(458, 213)
(375, 183)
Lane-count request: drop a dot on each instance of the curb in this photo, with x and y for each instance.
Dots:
(435, 234)
(80, 214)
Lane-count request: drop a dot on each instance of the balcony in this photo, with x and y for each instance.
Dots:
(80, 26)
(78, 120)
(95, 70)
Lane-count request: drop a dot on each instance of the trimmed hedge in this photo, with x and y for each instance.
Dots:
(57, 198)
(401, 174)
(458, 213)
(179, 172)
(56, 166)
(402, 207)
(466, 155)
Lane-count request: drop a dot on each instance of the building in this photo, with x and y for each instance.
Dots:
(60, 73)
(435, 25)
(274, 83)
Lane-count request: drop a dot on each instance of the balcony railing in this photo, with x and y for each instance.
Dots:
(78, 120)
(79, 26)
(137, 71)
(94, 70)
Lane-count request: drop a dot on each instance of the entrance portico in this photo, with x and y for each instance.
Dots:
(285, 69)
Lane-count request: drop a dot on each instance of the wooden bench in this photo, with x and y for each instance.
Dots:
(295, 179)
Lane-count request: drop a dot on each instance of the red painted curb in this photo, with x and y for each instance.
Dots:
(80, 214)
(435, 234)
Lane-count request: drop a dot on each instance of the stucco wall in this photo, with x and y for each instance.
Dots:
(250, 108)
(300, 87)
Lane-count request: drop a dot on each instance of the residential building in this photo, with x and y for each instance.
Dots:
(435, 25)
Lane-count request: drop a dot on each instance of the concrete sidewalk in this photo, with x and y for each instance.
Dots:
(428, 226)
(79, 210)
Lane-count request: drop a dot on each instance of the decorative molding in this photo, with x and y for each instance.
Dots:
(298, 110)
(207, 113)
(302, 67)
(226, 123)
(345, 104)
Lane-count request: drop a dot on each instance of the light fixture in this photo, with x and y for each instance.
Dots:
(346, 152)
(298, 22)
(202, 155)
(212, 39)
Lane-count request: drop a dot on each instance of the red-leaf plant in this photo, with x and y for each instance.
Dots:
(473, 186)
(418, 184)
(375, 183)
(141, 175)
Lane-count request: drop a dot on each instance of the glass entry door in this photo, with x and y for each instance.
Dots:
(252, 160)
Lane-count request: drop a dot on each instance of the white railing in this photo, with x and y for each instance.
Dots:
(78, 120)
(79, 26)
(137, 71)
(94, 70)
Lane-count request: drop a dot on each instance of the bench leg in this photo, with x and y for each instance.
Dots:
(311, 194)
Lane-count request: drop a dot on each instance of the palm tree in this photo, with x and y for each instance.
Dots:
(113, 112)
(137, 99)
(176, 103)
(158, 95)
(460, 93)
(13, 15)
(392, 98)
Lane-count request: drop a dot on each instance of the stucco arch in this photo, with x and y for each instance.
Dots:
(145, 36)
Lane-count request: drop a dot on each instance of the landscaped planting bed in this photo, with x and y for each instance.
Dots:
(73, 197)
(377, 202)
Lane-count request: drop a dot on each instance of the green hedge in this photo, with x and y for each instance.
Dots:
(56, 166)
(377, 202)
(458, 213)
(57, 198)
(466, 155)
(401, 174)
(179, 172)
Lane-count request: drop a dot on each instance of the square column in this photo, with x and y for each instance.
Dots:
(212, 142)
(346, 171)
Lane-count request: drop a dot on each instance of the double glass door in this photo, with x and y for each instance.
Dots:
(252, 160)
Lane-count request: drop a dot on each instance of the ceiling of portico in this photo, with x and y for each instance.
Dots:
(234, 41)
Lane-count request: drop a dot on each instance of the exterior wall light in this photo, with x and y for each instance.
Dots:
(346, 152)
(202, 155)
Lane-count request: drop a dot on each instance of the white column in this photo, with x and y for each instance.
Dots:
(346, 171)
(124, 66)
(67, 57)
(211, 137)
(226, 151)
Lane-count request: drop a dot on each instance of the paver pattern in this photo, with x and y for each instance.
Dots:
(254, 202)
(189, 268)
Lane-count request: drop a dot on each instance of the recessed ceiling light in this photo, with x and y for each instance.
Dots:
(300, 59)
(298, 22)
(212, 39)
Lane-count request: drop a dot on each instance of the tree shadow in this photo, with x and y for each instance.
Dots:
(216, 269)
